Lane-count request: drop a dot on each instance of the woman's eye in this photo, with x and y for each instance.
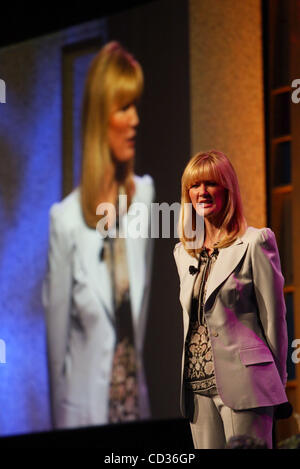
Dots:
(126, 107)
(129, 105)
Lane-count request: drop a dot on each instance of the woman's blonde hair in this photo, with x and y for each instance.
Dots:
(114, 77)
(212, 165)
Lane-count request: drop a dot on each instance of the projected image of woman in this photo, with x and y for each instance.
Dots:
(96, 289)
(231, 291)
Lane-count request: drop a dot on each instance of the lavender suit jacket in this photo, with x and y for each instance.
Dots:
(245, 313)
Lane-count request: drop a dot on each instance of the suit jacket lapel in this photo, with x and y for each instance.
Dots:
(136, 273)
(98, 275)
(187, 279)
(227, 260)
(135, 248)
(90, 244)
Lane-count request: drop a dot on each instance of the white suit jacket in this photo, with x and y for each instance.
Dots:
(77, 297)
(245, 313)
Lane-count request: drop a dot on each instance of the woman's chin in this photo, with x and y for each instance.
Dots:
(206, 212)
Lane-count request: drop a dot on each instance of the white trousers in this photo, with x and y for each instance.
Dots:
(214, 423)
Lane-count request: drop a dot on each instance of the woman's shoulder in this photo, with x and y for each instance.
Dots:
(145, 190)
(255, 235)
(179, 250)
(67, 212)
(178, 246)
(145, 179)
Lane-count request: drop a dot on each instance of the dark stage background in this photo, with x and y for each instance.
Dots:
(39, 126)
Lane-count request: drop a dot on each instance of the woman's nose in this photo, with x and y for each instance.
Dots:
(134, 117)
(202, 188)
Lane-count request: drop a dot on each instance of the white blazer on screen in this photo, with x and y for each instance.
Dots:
(77, 297)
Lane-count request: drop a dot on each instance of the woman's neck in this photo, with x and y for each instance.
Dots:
(212, 233)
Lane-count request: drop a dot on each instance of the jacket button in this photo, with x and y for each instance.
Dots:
(215, 334)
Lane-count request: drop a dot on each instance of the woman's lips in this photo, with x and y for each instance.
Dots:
(131, 140)
(205, 202)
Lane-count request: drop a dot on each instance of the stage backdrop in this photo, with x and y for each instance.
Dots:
(203, 90)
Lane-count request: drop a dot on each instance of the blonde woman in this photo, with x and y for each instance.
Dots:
(231, 291)
(96, 289)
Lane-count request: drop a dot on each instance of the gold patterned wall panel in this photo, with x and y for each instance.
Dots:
(226, 94)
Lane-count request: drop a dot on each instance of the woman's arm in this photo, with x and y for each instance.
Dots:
(57, 300)
(268, 286)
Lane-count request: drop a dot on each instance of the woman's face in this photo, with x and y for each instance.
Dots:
(122, 124)
(210, 195)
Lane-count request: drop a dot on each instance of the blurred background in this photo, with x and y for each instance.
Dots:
(218, 75)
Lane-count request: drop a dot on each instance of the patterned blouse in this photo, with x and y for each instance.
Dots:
(199, 373)
(123, 394)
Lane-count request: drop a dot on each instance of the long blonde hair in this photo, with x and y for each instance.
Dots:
(114, 77)
(212, 165)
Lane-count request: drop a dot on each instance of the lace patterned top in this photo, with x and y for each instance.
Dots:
(199, 373)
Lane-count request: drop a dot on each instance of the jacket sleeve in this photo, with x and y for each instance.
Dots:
(268, 286)
(56, 297)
